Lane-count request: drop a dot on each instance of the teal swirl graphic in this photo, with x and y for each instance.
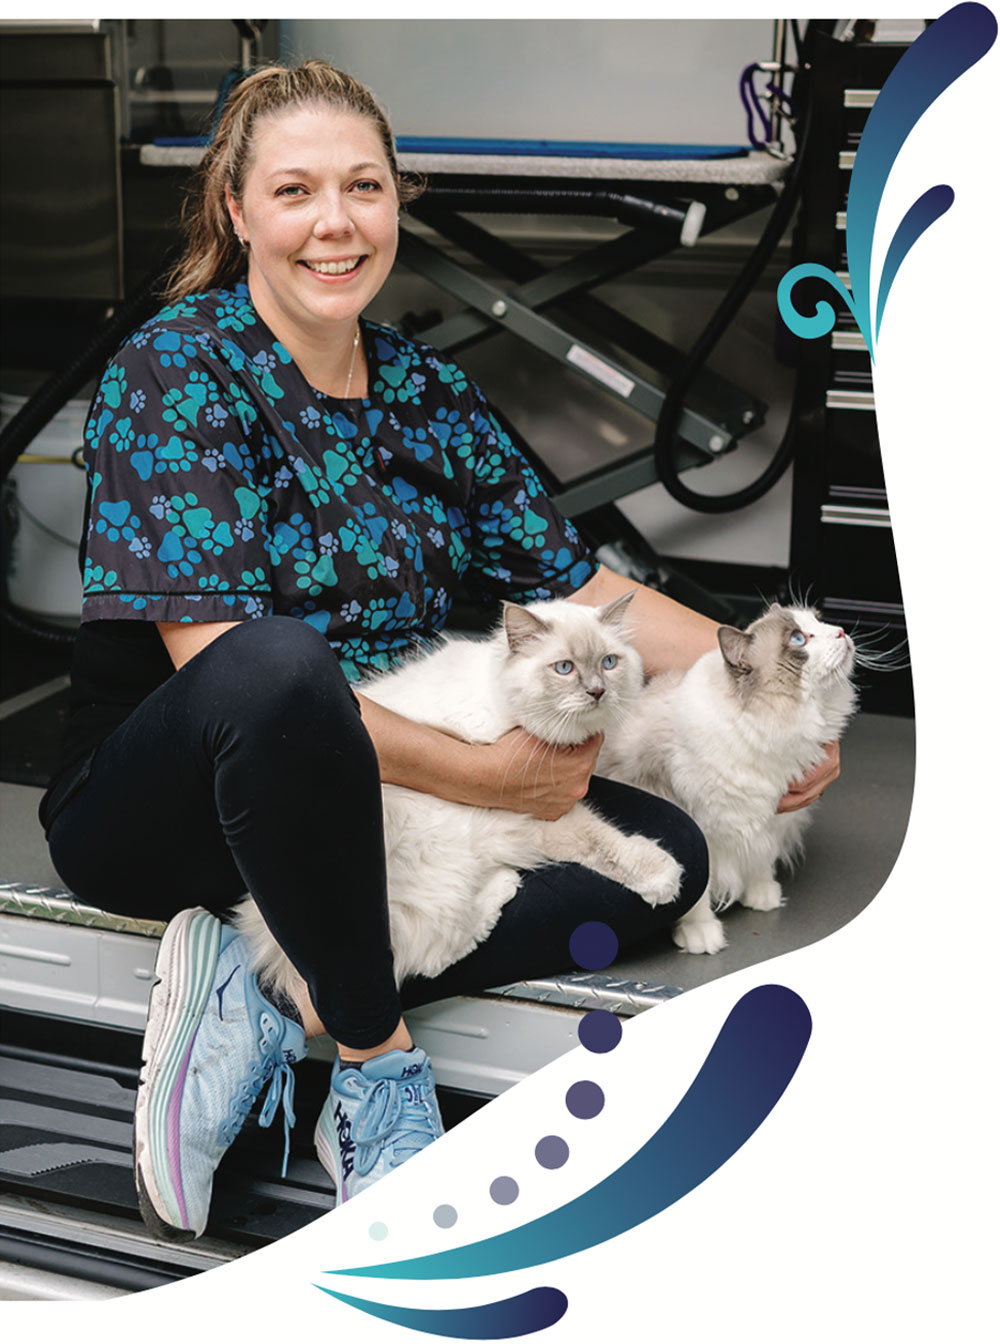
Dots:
(752, 1061)
(939, 56)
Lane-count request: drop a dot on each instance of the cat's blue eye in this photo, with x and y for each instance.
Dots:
(564, 667)
(609, 661)
(796, 639)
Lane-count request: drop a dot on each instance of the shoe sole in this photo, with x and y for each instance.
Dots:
(328, 1160)
(184, 972)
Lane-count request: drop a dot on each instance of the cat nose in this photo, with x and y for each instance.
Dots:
(840, 634)
(596, 692)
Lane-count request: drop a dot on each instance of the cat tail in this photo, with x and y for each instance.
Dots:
(267, 960)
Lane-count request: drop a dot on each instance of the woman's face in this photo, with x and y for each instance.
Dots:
(319, 210)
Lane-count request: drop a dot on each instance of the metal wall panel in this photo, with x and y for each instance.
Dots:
(60, 179)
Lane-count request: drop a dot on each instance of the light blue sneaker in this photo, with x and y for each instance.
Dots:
(212, 1041)
(375, 1118)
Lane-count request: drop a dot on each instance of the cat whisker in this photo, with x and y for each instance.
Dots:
(797, 597)
(884, 660)
(514, 752)
(867, 655)
(540, 749)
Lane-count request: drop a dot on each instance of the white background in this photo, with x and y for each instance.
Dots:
(864, 1207)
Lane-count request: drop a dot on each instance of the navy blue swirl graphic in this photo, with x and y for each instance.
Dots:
(920, 216)
(746, 1071)
(940, 55)
(510, 1319)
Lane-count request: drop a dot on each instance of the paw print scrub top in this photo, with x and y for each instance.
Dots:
(223, 487)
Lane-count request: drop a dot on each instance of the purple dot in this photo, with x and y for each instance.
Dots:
(504, 1190)
(585, 1100)
(599, 1031)
(593, 945)
(551, 1152)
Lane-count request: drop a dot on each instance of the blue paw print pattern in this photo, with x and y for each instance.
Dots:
(745, 1073)
(939, 56)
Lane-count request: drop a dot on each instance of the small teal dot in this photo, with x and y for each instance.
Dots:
(504, 1190)
(378, 1231)
(445, 1216)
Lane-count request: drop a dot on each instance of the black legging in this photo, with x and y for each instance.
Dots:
(250, 770)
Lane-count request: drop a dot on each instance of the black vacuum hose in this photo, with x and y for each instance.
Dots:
(670, 412)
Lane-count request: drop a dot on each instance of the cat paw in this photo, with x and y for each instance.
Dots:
(652, 872)
(764, 894)
(703, 935)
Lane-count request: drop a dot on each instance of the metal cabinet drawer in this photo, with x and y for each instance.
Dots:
(858, 554)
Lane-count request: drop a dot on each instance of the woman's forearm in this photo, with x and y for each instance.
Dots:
(421, 757)
(518, 772)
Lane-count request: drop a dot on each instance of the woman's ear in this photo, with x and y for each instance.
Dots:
(235, 214)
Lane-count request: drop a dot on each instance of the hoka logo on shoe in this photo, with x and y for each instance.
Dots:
(347, 1147)
(290, 1057)
(223, 987)
(411, 1070)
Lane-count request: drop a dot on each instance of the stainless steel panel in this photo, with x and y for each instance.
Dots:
(54, 56)
(60, 177)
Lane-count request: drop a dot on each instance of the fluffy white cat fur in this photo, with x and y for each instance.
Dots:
(562, 671)
(725, 739)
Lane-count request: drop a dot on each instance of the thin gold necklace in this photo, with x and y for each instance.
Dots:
(354, 355)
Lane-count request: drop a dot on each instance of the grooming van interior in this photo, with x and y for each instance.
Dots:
(608, 212)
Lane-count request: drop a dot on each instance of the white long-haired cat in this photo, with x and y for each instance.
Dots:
(726, 738)
(562, 671)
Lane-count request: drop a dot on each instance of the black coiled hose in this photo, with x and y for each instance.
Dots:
(670, 412)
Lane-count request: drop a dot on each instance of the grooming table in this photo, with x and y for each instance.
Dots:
(665, 195)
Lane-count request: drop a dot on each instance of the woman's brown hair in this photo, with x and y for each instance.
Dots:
(212, 253)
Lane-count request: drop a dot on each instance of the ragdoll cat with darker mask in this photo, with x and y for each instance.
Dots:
(726, 738)
(563, 672)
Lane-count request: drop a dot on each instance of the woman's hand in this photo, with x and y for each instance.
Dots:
(532, 776)
(807, 789)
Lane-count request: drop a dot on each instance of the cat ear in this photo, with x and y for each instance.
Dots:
(613, 613)
(734, 644)
(521, 625)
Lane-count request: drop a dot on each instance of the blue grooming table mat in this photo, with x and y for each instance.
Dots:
(563, 149)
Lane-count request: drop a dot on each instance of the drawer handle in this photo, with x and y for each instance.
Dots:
(854, 515)
(840, 400)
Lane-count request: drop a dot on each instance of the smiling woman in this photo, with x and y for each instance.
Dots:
(282, 497)
(321, 236)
